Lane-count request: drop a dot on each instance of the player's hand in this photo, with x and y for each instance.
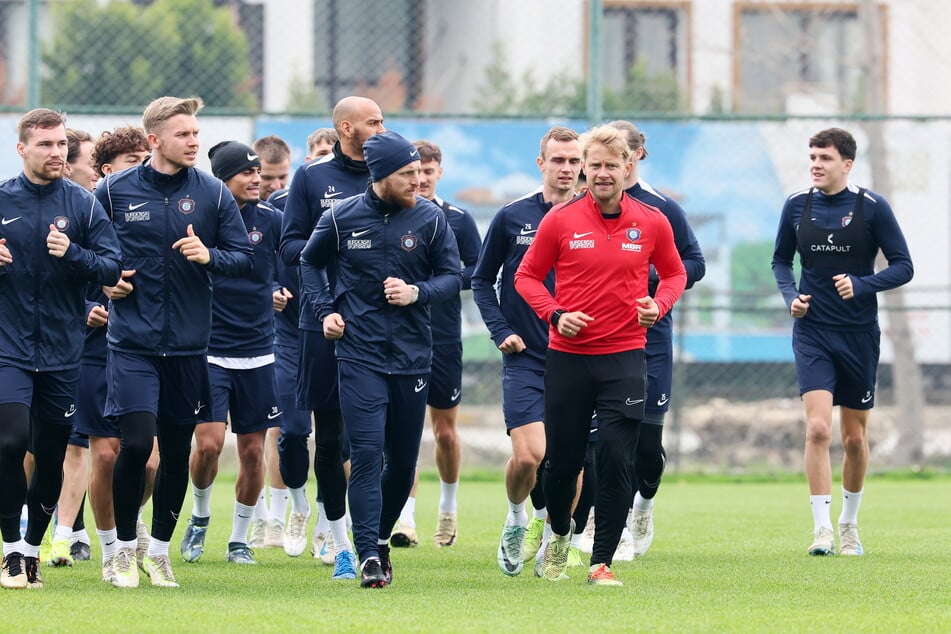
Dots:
(800, 306)
(57, 242)
(512, 345)
(843, 284)
(122, 289)
(647, 311)
(333, 326)
(570, 324)
(192, 247)
(5, 256)
(97, 317)
(280, 299)
(398, 292)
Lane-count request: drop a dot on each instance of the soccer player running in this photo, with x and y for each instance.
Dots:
(521, 336)
(70, 539)
(316, 187)
(240, 361)
(177, 226)
(54, 239)
(445, 387)
(601, 247)
(394, 255)
(651, 458)
(837, 229)
(122, 148)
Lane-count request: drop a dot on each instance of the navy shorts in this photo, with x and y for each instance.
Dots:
(523, 396)
(173, 389)
(660, 375)
(317, 378)
(53, 397)
(90, 420)
(249, 396)
(294, 421)
(844, 363)
(445, 385)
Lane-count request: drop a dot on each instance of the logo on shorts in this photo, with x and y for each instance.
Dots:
(408, 243)
(198, 407)
(255, 237)
(61, 223)
(867, 397)
(631, 401)
(420, 385)
(456, 393)
(662, 400)
(70, 411)
(187, 205)
(275, 412)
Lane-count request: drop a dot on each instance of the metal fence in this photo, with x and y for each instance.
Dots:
(580, 58)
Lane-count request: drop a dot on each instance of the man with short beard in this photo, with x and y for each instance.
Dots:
(394, 254)
(54, 239)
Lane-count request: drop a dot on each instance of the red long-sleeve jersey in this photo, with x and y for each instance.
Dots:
(601, 268)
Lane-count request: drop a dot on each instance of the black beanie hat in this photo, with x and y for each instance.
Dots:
(386, 152)
(231, 157)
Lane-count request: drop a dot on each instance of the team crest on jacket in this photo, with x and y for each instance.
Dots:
(847, 220)
(633, 235)
(409, 242)
(186, 205)
(61, 223)
(255, 237)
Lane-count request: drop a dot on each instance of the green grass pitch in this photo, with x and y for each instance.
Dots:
(728, 556)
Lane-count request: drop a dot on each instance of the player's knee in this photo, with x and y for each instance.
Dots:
(818, 431)
(854, 443)
(445, 435)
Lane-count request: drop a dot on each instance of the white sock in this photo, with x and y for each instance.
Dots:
(850, 507)
(279, 500)
(241, 523)
(202, 497)
(79, 536)
(447, 496)
(156, 547)
(122, 544)
(341, 537)
(641, 505)
(141, 508)
(540, 514)
(28, 550)
(62, 532)
(299, 502)
(108, 543)
(260, 508)
(516, 515)
(820, 510)
(408, 514)
(576, 539)
(323, 524)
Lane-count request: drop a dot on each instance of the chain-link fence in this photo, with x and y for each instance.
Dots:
(581, 58)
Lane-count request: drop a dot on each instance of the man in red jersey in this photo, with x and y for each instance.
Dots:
(601, 246)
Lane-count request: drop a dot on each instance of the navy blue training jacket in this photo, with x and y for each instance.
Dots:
(503, 310)
(368, 241)
(44, 310)
(447, 315)
(316, 187)
(242, 308)
(169, 310)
